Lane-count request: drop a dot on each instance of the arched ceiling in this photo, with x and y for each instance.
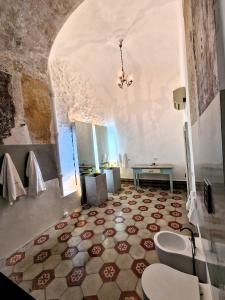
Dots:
(85, 60)
(89, 39)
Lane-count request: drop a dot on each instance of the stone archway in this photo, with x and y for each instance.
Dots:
(28, 30)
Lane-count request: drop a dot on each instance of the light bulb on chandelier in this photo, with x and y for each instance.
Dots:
(122, 77)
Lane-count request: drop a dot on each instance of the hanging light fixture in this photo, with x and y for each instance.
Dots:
(122, 77)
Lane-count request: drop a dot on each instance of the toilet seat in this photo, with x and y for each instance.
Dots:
(160, 282)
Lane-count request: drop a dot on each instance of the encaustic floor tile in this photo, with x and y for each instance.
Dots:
(101, 252)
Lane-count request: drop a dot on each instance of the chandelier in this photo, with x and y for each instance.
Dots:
(122, 77)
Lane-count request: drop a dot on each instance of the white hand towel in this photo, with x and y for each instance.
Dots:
(105, 158)
(33, 172)
(9, 178)
(125, 161)
(191, 206)
(119, 160)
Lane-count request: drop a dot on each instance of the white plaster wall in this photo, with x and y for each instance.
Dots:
(86, 59)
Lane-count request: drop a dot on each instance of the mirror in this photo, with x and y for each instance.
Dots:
(67, 157)
(102, 144)
(85, 144)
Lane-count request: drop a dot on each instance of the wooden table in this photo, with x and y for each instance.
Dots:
(165, 169)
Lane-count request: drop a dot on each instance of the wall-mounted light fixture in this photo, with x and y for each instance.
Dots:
(179, 98)
(122, 77)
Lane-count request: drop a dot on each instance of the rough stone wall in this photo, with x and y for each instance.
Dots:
(27, 32)
(36, 108)
(7, 108)
(200, 33)
(76, 98)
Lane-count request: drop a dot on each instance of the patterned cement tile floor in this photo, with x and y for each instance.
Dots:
(98, 253)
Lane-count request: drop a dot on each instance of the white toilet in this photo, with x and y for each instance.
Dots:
(160, 282)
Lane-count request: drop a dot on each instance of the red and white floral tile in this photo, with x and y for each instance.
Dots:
(16, 277)
(100, 221)
(148, 244)
(76, 276)
(109, 232)
(96, 250)
(126, 210)
(41, 239)
(75, 215)
(129, 296)
(81, 223)
(174, 225)
(86, 235)
(176, 204)
(109, 211)
(153, 227)
(109, 272)
(139, 266)
(131, 230)
(42, 256)
(60, 225)
(138, 218)
(157, 215)
(176, 214)
(15, 258)
(69, 253)
(42, 280)
(122, 247)
(103, 242)
(92, 213)
(64, 237)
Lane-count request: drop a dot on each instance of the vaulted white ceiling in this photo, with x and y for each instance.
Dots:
(87, 56)
(88, 41)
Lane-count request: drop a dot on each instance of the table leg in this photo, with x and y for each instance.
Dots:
(138, 179)
(135, 180)
(171, 183)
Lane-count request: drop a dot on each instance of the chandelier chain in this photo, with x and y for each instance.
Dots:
(121, 55)
(122, 77)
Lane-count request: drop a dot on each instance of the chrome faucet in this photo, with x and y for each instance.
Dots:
(192, 235)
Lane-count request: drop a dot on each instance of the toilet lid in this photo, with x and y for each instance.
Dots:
(161, 282)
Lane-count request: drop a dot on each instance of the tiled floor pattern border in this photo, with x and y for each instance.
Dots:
(98, 253)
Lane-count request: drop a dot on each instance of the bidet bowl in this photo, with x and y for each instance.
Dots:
(171, 241)
(175, 250)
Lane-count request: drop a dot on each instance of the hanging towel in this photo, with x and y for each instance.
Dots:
(105, 158)
(119, 162)
(125, 161)
(33, 172)
(9, 178)
(191, 206)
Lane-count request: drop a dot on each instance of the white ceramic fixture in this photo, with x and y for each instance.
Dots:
(175, 250)
(160, 282)
(171, 241)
